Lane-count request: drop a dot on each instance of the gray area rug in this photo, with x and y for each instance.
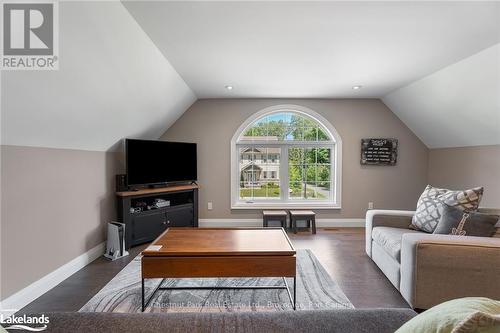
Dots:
(315, 290)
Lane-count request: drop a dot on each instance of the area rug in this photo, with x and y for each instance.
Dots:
(315, 290)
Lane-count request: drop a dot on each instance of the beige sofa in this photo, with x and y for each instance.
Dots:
(429, 269)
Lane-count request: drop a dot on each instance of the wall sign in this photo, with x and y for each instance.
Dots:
(379, 151)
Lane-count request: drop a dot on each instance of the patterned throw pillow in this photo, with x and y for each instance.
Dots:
(431, 203)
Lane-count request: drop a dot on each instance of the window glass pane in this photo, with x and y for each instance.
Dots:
(245, 190)
(317, 191)
(295, 131)
(295, 134)
(249, 170)
(272, 189)
(310, 180)
(258, 130)
(314, 192)
(322, 136)
(247, 154)
(302, 190)
(310, 173)
(323, 156)
(295, 173)
(323, 173)
(277, 125)
(308, 122)
(296, 155)
(296, 190)
(310, 155)
(310, 134)
(296, 120)
(285, 126)
(259, 190)
(273, 155)
(259, 172)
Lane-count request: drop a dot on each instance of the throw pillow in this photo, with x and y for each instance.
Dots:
(453, 315)
(478, 322)
(475, 224)
(432, 201)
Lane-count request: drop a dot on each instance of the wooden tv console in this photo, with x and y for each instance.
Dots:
(145, 225)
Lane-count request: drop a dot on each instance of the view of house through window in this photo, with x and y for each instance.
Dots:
(259, 172)
(285, 157)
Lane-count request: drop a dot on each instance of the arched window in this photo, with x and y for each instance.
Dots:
(285, 155)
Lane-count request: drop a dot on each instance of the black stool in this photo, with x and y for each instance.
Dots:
(299, 215)
(274, 215)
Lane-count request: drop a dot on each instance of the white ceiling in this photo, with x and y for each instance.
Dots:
(314, 49)
(112, 83)
(116, 82)
(456, 106)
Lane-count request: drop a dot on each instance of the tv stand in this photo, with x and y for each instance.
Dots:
(144, 221)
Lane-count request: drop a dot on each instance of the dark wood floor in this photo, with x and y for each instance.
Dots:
(340, 250)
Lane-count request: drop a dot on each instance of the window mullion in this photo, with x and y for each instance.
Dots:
(284, 174)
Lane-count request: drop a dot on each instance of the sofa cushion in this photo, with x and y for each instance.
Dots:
(390, 239)
(332, 321)
(433, 199)
(474, 223)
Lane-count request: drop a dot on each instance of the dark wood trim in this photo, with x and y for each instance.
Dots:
(144, 226)
(181, 243)
(236, 266)
(157, 190)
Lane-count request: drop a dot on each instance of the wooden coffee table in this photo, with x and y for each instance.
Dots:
(220, 253)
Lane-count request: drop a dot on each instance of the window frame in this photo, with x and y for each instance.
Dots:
(335, 144)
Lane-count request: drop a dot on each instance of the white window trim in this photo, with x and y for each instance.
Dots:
(336, 170)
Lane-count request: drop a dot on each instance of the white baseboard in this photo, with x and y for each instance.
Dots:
(27, 295)
(320, 223)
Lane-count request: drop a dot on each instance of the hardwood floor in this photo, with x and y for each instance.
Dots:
(342, 253)
(340, 250)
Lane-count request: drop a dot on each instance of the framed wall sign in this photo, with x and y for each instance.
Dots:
(379, 151)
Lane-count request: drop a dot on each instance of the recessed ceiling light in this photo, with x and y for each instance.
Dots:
(357, 87)
(229, 87)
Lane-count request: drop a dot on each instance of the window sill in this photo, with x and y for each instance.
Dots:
(283, 205)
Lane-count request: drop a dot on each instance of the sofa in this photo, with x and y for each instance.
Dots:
(341, 321)
(429, 269)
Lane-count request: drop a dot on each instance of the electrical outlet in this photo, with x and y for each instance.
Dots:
(370, 205)
(210, 205)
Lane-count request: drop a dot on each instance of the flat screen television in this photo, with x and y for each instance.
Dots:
(159, 162)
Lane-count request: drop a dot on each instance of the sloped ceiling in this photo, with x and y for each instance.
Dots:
(432, 63)
(112, 82)
(314, 49)
(456, 106)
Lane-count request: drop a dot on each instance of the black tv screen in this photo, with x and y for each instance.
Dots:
(159, 162)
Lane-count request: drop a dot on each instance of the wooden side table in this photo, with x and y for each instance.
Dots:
(299, 215)
(274, 215)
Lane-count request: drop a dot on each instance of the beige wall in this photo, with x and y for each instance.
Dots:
(212, 122)
(58, 200)
(466, 167)
(55, 205)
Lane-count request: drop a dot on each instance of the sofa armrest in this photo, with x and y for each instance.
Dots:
(437, 268)
(385, 218)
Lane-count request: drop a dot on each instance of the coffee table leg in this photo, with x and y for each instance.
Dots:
(142, 294)
(294, 292)
(146, 302)
(292, 299)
